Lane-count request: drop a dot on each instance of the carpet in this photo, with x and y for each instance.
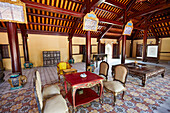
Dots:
(137, 99)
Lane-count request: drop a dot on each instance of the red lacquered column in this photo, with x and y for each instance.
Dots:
(24, 40)
(144, 45)
(123, 53)
(14, 47)
(70, 48)
(88, 48)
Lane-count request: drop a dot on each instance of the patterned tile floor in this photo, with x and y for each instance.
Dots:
(49, 75)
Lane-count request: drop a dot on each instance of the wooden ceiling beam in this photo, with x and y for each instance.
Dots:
(116, 30)
(113, 34)
(99, 8)
(48, 25)
(77, 1)
(110, 21)
(159, 22)
(94, 3)
(120, 15)
(154, 33)
(150, 10)
(51, 17)
(115, 4)
(52, 9)
(137, 32)
(130, 5)
(110, 37)
(104, 32)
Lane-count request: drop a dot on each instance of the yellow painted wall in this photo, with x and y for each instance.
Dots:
(135, 42)
(7, 61)
(164, 47)
(82, 41)
(38, 43)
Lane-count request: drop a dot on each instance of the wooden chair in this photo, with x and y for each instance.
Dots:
(103, 72)
(48, 90)
(55, 104)
(118, 84)
(61, 66)
(89, 68)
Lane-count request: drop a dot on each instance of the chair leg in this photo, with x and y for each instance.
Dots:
(59, 77)
(123, 95)
(114, 98)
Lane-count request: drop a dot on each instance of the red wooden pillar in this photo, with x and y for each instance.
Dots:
(123, 53)
(24, 40)
(70, 48)
(88, 48)
(14, 47)
(99, 47)
(144, 45)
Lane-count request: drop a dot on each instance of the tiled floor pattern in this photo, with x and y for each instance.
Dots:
(49, 75)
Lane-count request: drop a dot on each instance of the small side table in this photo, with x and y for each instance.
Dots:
(69, 71)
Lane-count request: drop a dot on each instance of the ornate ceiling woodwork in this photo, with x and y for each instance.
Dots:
(65, 17)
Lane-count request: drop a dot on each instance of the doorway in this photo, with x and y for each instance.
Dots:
(115, 52)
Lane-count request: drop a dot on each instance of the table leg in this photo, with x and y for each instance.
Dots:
(101, 91)
(162, 75)
(73, 95)
(143, 81)
(59, 77)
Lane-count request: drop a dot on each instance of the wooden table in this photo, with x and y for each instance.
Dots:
(69, 71)
(143, 71)
(85, 85)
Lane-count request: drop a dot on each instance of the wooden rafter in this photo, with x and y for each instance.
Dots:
(150, 10)
(130, 5)
(104, 32)
(108, 21)
(137, 32)
(95, 3)
(158, 22)
(99, 8)
(115, 4)
(154, 33)
(52, 9)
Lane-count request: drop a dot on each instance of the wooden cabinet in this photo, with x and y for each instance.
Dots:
(51, 58)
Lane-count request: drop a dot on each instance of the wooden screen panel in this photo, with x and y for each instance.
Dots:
(4, 51)
(115, 53)
(102, 48)
(139, 48)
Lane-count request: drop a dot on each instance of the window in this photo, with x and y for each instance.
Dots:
(4, 51)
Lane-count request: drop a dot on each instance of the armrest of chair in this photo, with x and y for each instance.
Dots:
(69, 66)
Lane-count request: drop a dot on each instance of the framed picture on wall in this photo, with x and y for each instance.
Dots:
(152, 52)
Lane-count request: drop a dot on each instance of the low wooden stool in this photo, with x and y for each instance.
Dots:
(69, 71)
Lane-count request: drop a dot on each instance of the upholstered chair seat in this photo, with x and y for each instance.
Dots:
(114, 86)
(55, 104)
(48, 90)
